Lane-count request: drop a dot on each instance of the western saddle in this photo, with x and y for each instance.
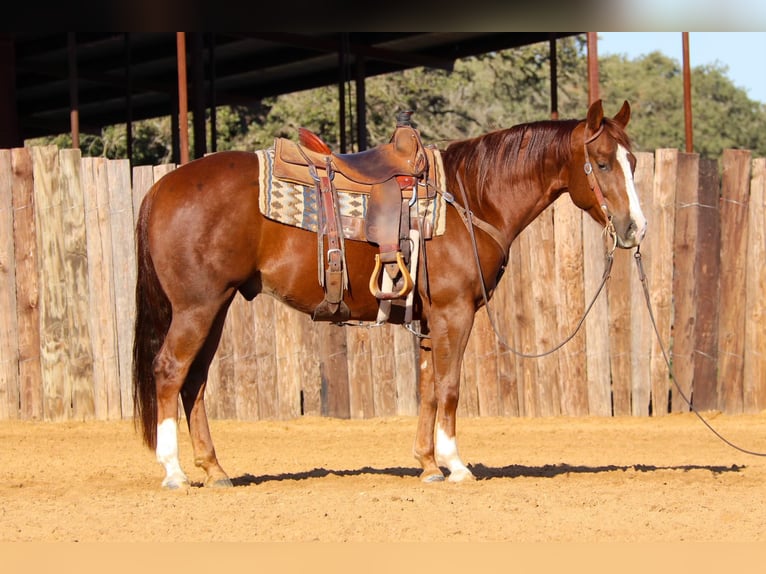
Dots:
(388, 175)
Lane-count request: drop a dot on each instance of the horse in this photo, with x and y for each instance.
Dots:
(201, 239)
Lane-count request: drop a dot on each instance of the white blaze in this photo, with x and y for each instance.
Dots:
(635, 207)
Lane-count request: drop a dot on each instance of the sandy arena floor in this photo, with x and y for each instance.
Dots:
(666, 479)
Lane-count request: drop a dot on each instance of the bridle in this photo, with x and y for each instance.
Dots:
(596, 188)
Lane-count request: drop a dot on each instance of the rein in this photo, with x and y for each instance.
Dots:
(645, 286)
(468, 220)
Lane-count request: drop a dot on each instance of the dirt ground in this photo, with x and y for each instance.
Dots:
(665, 479)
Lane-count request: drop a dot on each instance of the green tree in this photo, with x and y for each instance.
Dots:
(722, 114)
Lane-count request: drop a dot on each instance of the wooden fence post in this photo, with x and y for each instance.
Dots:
(596, 324)
(754, 376)
(80, 364)
(707, 280)
(567, 228)
(67, 277)
(27, 286)
(9, 342)
(640, 323)
(686, 248)
(660, 272)
(731, 323)
(103, 321)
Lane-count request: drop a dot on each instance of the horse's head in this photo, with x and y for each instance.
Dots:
(601, 182)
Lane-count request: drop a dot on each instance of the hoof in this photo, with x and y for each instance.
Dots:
(220, 483)
(461, 475)
(177, 485)
(427, 478)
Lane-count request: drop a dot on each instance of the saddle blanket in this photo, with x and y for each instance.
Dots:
(296, 205)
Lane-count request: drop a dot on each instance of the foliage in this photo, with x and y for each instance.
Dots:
(722, 114)
(480, 94)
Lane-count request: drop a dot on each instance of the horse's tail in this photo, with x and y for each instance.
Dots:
(153, 314)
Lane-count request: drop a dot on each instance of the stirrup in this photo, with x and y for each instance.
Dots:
(406, 288)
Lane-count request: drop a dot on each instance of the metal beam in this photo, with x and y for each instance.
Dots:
(369, 52)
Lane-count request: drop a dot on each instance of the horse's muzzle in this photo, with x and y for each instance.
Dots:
(632, 235)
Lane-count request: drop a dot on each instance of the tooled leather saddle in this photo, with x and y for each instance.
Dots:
(389, 175)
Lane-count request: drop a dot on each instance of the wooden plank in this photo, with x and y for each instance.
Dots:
(525, 323)
(162, 170)
(286, 325)
(620, 359)
(360, 373)
(80, 365)
(545, 312)
(54, 354)
(383, 361)
(311, 380)
(707, 277)
(143, 179)
(101, 317)
(265, 352)
(220, 396)
(484, 351)
(567, 227)
(468, 403)
(334, 371)
(660, 272)
(27, 286)
(731, 320)
(242, 319)
(503, 306)
(596, 325)
(643, 332)
(686, 248)
(9, 357)
(124, 272)
(406, 351)
(754, 375)
(306, 362)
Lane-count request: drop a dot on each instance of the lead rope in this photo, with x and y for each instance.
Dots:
(644, 285)
(607, 271)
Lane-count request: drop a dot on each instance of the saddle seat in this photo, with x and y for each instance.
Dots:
(404, 159)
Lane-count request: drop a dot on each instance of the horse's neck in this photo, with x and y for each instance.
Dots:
(508, 207)
(501, 172)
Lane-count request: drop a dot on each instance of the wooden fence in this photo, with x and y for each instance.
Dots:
(67, 275)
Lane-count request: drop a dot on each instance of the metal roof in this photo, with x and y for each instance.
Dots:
(122, 76)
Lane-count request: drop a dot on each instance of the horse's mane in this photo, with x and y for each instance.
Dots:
(500, 151)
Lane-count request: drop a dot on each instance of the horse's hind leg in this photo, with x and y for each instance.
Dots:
(189, 333)
(193, 399)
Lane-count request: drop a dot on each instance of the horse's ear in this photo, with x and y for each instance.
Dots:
(594, 119)
(623, 116)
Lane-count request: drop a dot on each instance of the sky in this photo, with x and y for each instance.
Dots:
(744, 53)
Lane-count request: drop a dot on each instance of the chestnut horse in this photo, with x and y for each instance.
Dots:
(201, 239)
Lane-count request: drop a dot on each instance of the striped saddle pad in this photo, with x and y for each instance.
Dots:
(295, 204)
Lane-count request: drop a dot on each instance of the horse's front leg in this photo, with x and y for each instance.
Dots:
(450, 330)
(423, 449)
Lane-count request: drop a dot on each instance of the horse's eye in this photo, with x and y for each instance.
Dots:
(602, 166)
